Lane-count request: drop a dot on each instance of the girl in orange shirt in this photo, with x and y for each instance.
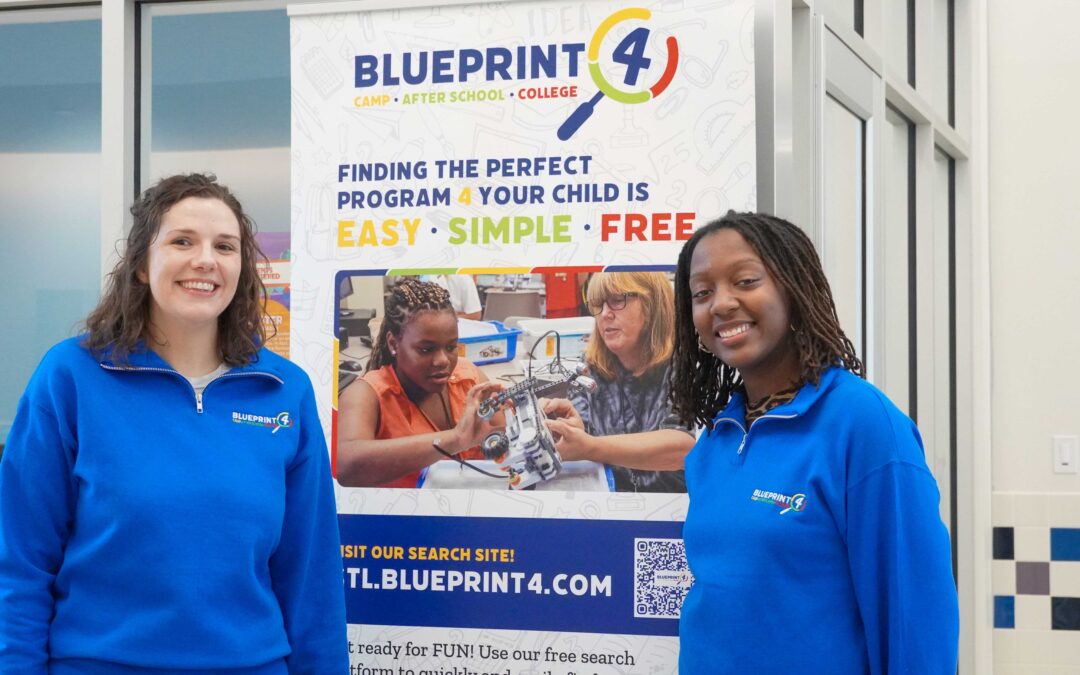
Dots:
(415, 394)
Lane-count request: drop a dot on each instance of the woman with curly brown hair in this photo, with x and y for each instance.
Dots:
(165, 496)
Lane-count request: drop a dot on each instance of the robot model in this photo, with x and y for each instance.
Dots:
(525, 450)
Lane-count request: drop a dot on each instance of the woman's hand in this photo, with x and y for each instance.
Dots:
(561, 409)
(568, 429)
(471, 428)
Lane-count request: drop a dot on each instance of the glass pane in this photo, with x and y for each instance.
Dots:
(219, 102)
(899, 41)
(895, 374)
(943, 59)
(941, 438)
(50, 143)
(842, 245)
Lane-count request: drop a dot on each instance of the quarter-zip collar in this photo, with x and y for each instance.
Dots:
(146, 360)
(735, 411)
(808, 395)
(142, 358)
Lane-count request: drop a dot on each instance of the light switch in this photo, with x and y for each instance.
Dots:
(1066, 454)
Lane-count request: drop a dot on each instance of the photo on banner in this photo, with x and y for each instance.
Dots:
(611, 331)
(544, 162)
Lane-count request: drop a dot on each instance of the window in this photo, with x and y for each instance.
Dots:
(219, 101)
(898, 376)
(50, 143)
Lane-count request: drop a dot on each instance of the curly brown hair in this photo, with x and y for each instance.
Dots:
(700, 383)
(122, 317)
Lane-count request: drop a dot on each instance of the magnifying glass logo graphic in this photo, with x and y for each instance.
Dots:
(629, 52)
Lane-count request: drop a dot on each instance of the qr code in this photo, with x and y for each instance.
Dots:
(662, 578)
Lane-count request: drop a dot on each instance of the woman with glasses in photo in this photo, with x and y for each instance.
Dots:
(627, 423)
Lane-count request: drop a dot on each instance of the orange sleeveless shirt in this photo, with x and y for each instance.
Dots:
(399, 416)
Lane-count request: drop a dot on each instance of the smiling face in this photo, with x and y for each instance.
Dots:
(741, 314)
(426, 352)
(193, 265)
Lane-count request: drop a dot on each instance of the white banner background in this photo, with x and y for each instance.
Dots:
(693, 145)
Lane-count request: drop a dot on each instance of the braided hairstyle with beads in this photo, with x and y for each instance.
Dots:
(402, 302)
(700, 383)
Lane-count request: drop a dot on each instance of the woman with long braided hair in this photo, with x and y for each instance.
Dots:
(813, 531)
(416, 400)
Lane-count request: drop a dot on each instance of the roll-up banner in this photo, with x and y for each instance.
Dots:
(542, 162)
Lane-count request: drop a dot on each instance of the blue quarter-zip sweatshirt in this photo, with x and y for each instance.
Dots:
(143, 531)
(816, 543)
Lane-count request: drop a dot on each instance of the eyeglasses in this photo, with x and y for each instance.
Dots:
(615, 302)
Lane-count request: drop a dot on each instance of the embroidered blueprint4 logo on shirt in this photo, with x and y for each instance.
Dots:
(282, 420)
(795, 502)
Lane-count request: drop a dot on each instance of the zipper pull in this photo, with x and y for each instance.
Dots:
(198, 407)
(742, 444)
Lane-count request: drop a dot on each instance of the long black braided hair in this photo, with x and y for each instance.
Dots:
(402, 302)
(700, 383)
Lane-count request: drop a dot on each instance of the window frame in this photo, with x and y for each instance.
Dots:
(960, 303)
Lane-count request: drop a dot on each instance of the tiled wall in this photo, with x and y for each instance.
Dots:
(1036, 580)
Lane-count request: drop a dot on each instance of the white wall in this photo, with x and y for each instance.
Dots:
(1034, 82)
(1034, 205)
